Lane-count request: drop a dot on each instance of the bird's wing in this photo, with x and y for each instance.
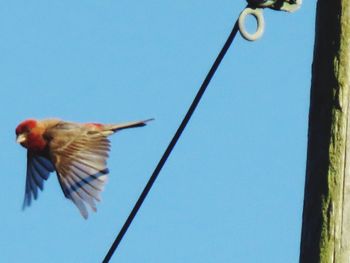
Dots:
(38, 170)
(81, 166)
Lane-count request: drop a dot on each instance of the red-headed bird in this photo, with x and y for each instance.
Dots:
(78, 153)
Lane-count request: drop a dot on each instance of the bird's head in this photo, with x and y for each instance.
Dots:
(29, 134)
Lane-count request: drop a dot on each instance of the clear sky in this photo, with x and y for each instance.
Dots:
(232, 190)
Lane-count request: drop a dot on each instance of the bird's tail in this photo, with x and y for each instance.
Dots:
(127, 125)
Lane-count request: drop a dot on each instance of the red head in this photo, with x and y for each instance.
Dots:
(29, 135)
(25, 126)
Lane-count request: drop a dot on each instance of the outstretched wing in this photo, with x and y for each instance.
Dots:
(81, 166)
(38, 170)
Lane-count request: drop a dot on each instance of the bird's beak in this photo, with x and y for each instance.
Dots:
(21, 138)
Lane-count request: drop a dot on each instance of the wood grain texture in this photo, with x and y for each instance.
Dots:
(326, 216)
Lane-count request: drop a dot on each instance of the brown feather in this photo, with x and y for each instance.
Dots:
(78, 153)
(80, 157)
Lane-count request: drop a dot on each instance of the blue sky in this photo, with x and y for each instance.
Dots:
(232, 190)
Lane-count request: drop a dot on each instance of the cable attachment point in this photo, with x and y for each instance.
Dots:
(280, 5)
(255, 8)
(260, 23)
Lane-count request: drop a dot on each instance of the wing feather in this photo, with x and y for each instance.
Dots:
(45, 165)
(94, 180)
(38, 175)
(82, 192)
(38, 170)
(88, 188)
(72, 195)
(81, 165)
(33, 186)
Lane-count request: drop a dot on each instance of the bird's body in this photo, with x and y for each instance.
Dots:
(78, 153)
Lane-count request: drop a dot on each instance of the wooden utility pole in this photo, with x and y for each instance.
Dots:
(326, 216)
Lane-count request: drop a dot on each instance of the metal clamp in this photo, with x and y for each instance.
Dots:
(255, 8)
(280, 5)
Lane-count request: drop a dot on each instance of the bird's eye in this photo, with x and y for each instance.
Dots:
(26, 129)
(23, 130)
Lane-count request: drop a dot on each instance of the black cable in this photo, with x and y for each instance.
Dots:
(172, 143)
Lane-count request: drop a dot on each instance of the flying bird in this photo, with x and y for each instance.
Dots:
(77, 152)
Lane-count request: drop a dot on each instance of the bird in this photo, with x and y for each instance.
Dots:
(77, 152)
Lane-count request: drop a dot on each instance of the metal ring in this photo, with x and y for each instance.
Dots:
(257, 13)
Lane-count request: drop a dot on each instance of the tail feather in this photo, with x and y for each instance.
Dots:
(127, 125)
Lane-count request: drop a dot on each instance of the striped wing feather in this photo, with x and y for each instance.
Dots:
(81, 166)
(38, 170)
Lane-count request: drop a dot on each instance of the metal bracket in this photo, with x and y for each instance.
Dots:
(280, 5)
(255, 8)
